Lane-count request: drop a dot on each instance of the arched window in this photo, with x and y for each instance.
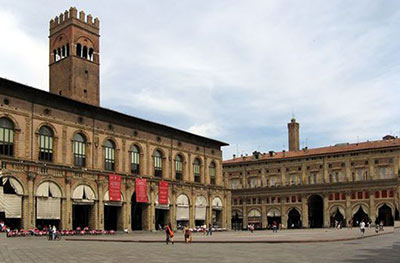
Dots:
(109, 160)
(6, 137)
(85, 52)
(79, 150)
(63, 52)
(46, 144)
(55, 55)
(135, 160)
(91, 54)
(157, 163)
(79, 50)
(196, 169)
(178, 168)
(212, 173)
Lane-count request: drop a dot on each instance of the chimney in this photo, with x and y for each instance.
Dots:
(294, 137)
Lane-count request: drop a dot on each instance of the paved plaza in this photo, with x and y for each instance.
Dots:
(380, 248)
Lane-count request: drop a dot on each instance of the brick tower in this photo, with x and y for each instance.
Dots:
(74, 56)
(294, 137)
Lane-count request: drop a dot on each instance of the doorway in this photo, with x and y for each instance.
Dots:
(81, 215)
(137, 211)
(111, 216)
(385, 215)
(316, 211)
(294, 219)
(161, 219)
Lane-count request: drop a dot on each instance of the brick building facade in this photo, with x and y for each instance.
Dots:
(316, 187)
(58, 149)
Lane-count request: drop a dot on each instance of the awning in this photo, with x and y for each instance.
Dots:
(48, 208)
(182, 210)
(254, 213)
(48, 189)
(83, 194)
(335, 209)
(217, 204)
(357, 207)
(107, 201)
(201, 208)
(12, 205)
(274, 213)
(14, 184)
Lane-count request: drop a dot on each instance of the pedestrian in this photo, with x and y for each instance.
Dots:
(251, 228)
(54, 232)
(186, 234)
(362, 227)
(274, 227)
(376, 228)
(169, 234)
(381, 225)
(209, 230)
(350, 226)
(49, 232)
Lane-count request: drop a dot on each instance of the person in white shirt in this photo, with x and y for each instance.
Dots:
(362, 228)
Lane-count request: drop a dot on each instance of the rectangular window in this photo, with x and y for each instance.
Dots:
(384, 194)
(359, 195)
(135, 161)
(196, 168)
(6, 141)
(337, 196)
(109, 159)
(45, 148)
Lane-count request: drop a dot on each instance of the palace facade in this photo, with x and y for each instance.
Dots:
(319, 187)
(59, 151)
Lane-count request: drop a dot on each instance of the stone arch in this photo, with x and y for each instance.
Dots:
(17, 184)
(106, 197)
(41, 182)
(84, 133)
(380, 204)
(12, 119)
(181, 194)
(274, 212)
(112, 139)
(88, 43)
(254, 212)
(78, 184)
(294, 207)
(217, 202)
(356, 206)
(48, 124)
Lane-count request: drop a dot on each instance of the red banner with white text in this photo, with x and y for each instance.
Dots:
(114, 187)
(141, 190)
(163, 193)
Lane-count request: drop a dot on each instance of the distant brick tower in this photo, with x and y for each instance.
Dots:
(294, 137)
(74, 56)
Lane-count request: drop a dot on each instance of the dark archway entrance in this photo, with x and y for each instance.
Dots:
(294, 219)
(81, 216)
(137, 212)
(359, 216)
(337, 218)
(111, 216)
(237, 221)
(385, 215)
(161, 219)
(316, 211)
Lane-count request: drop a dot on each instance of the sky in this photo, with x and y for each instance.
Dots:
(235, 71)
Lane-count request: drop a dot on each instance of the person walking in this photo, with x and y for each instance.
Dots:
(274, 227)
(54, 232)
(362, 227)
(186, 234)
(381, 225)
(169, 234)
(209, 230)
(49, 232)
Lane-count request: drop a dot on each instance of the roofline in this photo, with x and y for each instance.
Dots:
(45, 98)
(227, 163)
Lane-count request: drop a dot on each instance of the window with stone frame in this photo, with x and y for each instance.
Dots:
(178, 168)
(158, 163)
(212, 173)
(6, 137)
(196, 169)
(46, 138)
(109, 156)
(79, 150)
(135, 160)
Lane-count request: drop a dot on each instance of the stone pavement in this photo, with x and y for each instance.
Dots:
(284, 236)
(378, 249)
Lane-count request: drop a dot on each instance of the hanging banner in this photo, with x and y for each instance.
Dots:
(163, 193)
(114, 187)
(141, 190)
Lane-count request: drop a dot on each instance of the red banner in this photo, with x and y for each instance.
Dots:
(114, 187)
(163, 193)
(141, 190)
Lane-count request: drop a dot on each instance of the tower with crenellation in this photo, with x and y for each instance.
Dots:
(74, 56)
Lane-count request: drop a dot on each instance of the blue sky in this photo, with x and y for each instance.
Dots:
(232, 70)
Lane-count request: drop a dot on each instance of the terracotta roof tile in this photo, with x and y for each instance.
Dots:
(337, 149)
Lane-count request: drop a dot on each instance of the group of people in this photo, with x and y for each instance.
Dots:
(363, 226)
(187, 233)
(52, 232)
